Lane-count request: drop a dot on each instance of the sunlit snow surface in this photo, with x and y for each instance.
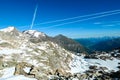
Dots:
(80, 65)
(10, 51)
(35, 33)
(8, 75)
(110, 64)
(9, 29)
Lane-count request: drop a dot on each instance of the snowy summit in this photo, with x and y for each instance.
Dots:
(35, 33)
(9, 29)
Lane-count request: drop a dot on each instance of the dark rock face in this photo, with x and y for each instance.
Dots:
(115, 74)
(92, 56)
(69, 44)
(93, 67)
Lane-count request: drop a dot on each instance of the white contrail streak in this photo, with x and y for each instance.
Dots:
(81, 20)
(89, 15)
(100, 13)
(34, 15)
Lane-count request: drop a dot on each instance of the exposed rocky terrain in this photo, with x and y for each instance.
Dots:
(32, 55)
(61, 40)
(46, 56)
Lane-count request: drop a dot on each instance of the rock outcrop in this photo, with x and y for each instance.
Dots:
(19, 68)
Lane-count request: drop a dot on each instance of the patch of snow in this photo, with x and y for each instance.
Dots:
(41, 64)
(7, 58)
(75, 79)
(8, 72)
(20, 77)
(33, 62)
(9, 29)
(42, 47)
(35, 33)
(27, 69)
(110, 64)
(10, 51)
(80, 65)
(2, 41)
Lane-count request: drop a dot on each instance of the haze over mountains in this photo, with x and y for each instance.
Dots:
(100, 44)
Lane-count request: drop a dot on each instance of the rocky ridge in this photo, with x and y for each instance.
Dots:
(46, 56)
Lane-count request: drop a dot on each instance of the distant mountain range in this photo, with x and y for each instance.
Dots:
(100, 44)
(107, 45)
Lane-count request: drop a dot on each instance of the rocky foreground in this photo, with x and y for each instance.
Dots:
(29, 56)
(81, 68)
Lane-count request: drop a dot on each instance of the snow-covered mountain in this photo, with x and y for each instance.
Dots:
(9, 29)
(47, 56)
(34, 33)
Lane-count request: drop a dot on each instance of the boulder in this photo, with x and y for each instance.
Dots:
(19, 68)
(93, 67)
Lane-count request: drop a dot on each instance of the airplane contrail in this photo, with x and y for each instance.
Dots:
(81, 20)
(60, 20)
(34, 15)
(89, 15)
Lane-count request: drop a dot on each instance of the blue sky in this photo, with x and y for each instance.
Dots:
(19, 13)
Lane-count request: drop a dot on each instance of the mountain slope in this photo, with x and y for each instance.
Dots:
(47, 56)
(63, 41)
(69, 44)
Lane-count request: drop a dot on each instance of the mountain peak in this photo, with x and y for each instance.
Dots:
(34, 33)
(60, 36)
(9, 29)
